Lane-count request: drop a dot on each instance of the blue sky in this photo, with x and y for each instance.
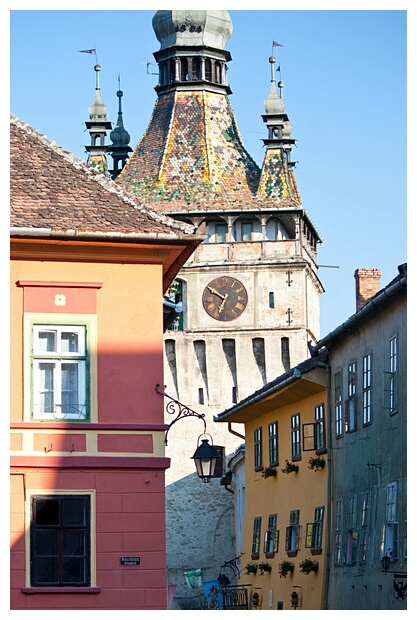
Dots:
(345, 76)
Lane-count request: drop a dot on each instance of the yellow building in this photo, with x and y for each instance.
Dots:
(283, 559)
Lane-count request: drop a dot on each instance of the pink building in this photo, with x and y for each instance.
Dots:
(88, 271)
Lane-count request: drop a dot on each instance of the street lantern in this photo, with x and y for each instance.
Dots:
(205, 459)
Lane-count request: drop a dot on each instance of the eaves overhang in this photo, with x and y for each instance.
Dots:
(170, 250)
(286, 390)
(384, 298)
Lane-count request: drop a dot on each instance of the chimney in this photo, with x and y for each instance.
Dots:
(367, 285)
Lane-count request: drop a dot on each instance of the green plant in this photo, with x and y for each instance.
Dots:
(316, 463)
(268, 472)
(251, 568)
(264, 567)
(285, 567)
(309, 566)
(289, 467)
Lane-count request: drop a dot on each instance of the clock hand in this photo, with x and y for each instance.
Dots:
(220, 308)
(213, 290)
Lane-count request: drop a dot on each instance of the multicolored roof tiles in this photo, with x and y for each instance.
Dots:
(192, 158)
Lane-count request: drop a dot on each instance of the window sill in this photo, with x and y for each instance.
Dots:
(61, 590)
(292, 554)
(317, 551)
(255, 556)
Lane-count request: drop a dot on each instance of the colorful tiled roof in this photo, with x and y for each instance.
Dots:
(192, 158)
(51, 188)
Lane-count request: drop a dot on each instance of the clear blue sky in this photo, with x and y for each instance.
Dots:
(345, 75)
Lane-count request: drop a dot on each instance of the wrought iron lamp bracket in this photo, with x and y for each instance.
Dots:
(174, 407)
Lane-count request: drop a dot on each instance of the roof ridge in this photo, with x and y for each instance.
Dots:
(100, 178)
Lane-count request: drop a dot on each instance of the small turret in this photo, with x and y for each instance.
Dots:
(279, 127)
(97, 126)
(119, 149)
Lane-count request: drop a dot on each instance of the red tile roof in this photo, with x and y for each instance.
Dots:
(51, 188)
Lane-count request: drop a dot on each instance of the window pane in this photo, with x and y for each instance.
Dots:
(45, 543)
(69, 342)
(46, 511)
(74, 511)
(46, 571)
(47, 341)
(46, 386)
(69, 391)
(73, 543)
(73, 570)
(246, 231)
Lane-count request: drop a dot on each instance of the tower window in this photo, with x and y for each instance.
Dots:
(272, 300)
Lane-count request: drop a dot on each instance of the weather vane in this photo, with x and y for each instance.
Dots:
(92, 51)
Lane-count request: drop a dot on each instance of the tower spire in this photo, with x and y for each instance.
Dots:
(97, 126)
(119, 149)
(277, 179)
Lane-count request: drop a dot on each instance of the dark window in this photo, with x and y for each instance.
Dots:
(350, 405)
(60, 540)
(367, 389)
(256, 539)
(257, 446)
(295, 435)
(293, 532)
(273, 443)
(338, 400)
(271, 300)
(200, 396)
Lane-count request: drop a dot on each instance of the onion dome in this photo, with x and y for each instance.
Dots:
(119, 136)
(209, 28)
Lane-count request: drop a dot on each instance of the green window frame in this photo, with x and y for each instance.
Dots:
(314, 530)
(257, 448)
(256, 538)
(271, 537)
(273, 443)
(60, 371)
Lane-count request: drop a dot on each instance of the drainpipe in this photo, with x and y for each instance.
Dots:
(326, 365)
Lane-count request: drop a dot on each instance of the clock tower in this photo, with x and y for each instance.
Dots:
(250, 292)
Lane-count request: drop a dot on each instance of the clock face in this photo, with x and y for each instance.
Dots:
(225, 298)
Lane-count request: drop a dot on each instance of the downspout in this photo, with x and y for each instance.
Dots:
(229, 428)
(326, 365)
(329, 489)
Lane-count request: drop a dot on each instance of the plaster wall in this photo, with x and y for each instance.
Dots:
(303, 490)
(367, 460)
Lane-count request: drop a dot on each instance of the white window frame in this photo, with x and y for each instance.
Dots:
(338, 402)
(389, 543)
(57, 359)
(367, 389)
(337, 557)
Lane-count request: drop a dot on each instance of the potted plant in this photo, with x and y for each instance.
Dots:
(316, 463)
(289, 467)
(251, 568)
(264, 567)
(309, 566)
(285, 567)
(267, 472)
